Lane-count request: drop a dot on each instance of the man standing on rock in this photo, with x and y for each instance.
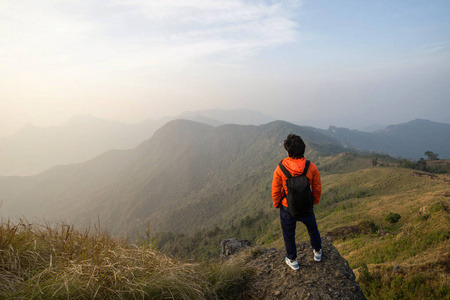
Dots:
(295, 164)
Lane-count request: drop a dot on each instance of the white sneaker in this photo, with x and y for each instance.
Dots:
(292, 264)
(317, 255)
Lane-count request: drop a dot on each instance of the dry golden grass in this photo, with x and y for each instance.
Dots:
(43, 262)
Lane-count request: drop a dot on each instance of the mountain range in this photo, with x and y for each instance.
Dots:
(36, 149)
(408, 140)
(188, 166)
(184, 166)
(193, 184)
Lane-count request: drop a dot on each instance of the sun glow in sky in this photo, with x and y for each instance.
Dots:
(319, 63)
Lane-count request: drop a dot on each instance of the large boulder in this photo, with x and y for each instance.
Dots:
(331, 278)
(232, 246)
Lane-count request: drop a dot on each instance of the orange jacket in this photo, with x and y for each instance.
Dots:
(295, 167)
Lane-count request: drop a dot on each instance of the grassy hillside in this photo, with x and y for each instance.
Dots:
(408, 259)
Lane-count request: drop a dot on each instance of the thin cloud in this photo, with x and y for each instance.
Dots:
(210, 27)
(135, 33)
(440, 48)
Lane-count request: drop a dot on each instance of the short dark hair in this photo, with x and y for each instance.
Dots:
(295, 146)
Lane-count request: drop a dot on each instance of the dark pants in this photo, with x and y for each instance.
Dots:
(288, 224)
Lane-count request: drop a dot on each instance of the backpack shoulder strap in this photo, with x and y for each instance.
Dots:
(306, 167)
(284, 170)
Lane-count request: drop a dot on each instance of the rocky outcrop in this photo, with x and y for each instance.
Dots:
(331, 278)
(232, 246)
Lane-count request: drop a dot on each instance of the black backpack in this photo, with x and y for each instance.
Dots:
(299, 198)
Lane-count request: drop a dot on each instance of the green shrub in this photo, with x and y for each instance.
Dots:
(438, 206)
(392, 218)
(369, 226)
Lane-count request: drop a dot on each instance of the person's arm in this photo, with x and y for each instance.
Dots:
(277, 188)
(316, 185)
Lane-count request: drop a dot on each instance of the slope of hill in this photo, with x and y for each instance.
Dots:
(405, 258)
(409, 140)
(187, 176)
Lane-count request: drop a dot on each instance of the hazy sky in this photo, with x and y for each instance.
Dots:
(320, 63)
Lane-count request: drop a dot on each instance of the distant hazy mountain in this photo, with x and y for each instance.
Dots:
(408, 140)
(187, 176)
(34, 149)
(373, 128)
(216, 117)
(235, 116)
